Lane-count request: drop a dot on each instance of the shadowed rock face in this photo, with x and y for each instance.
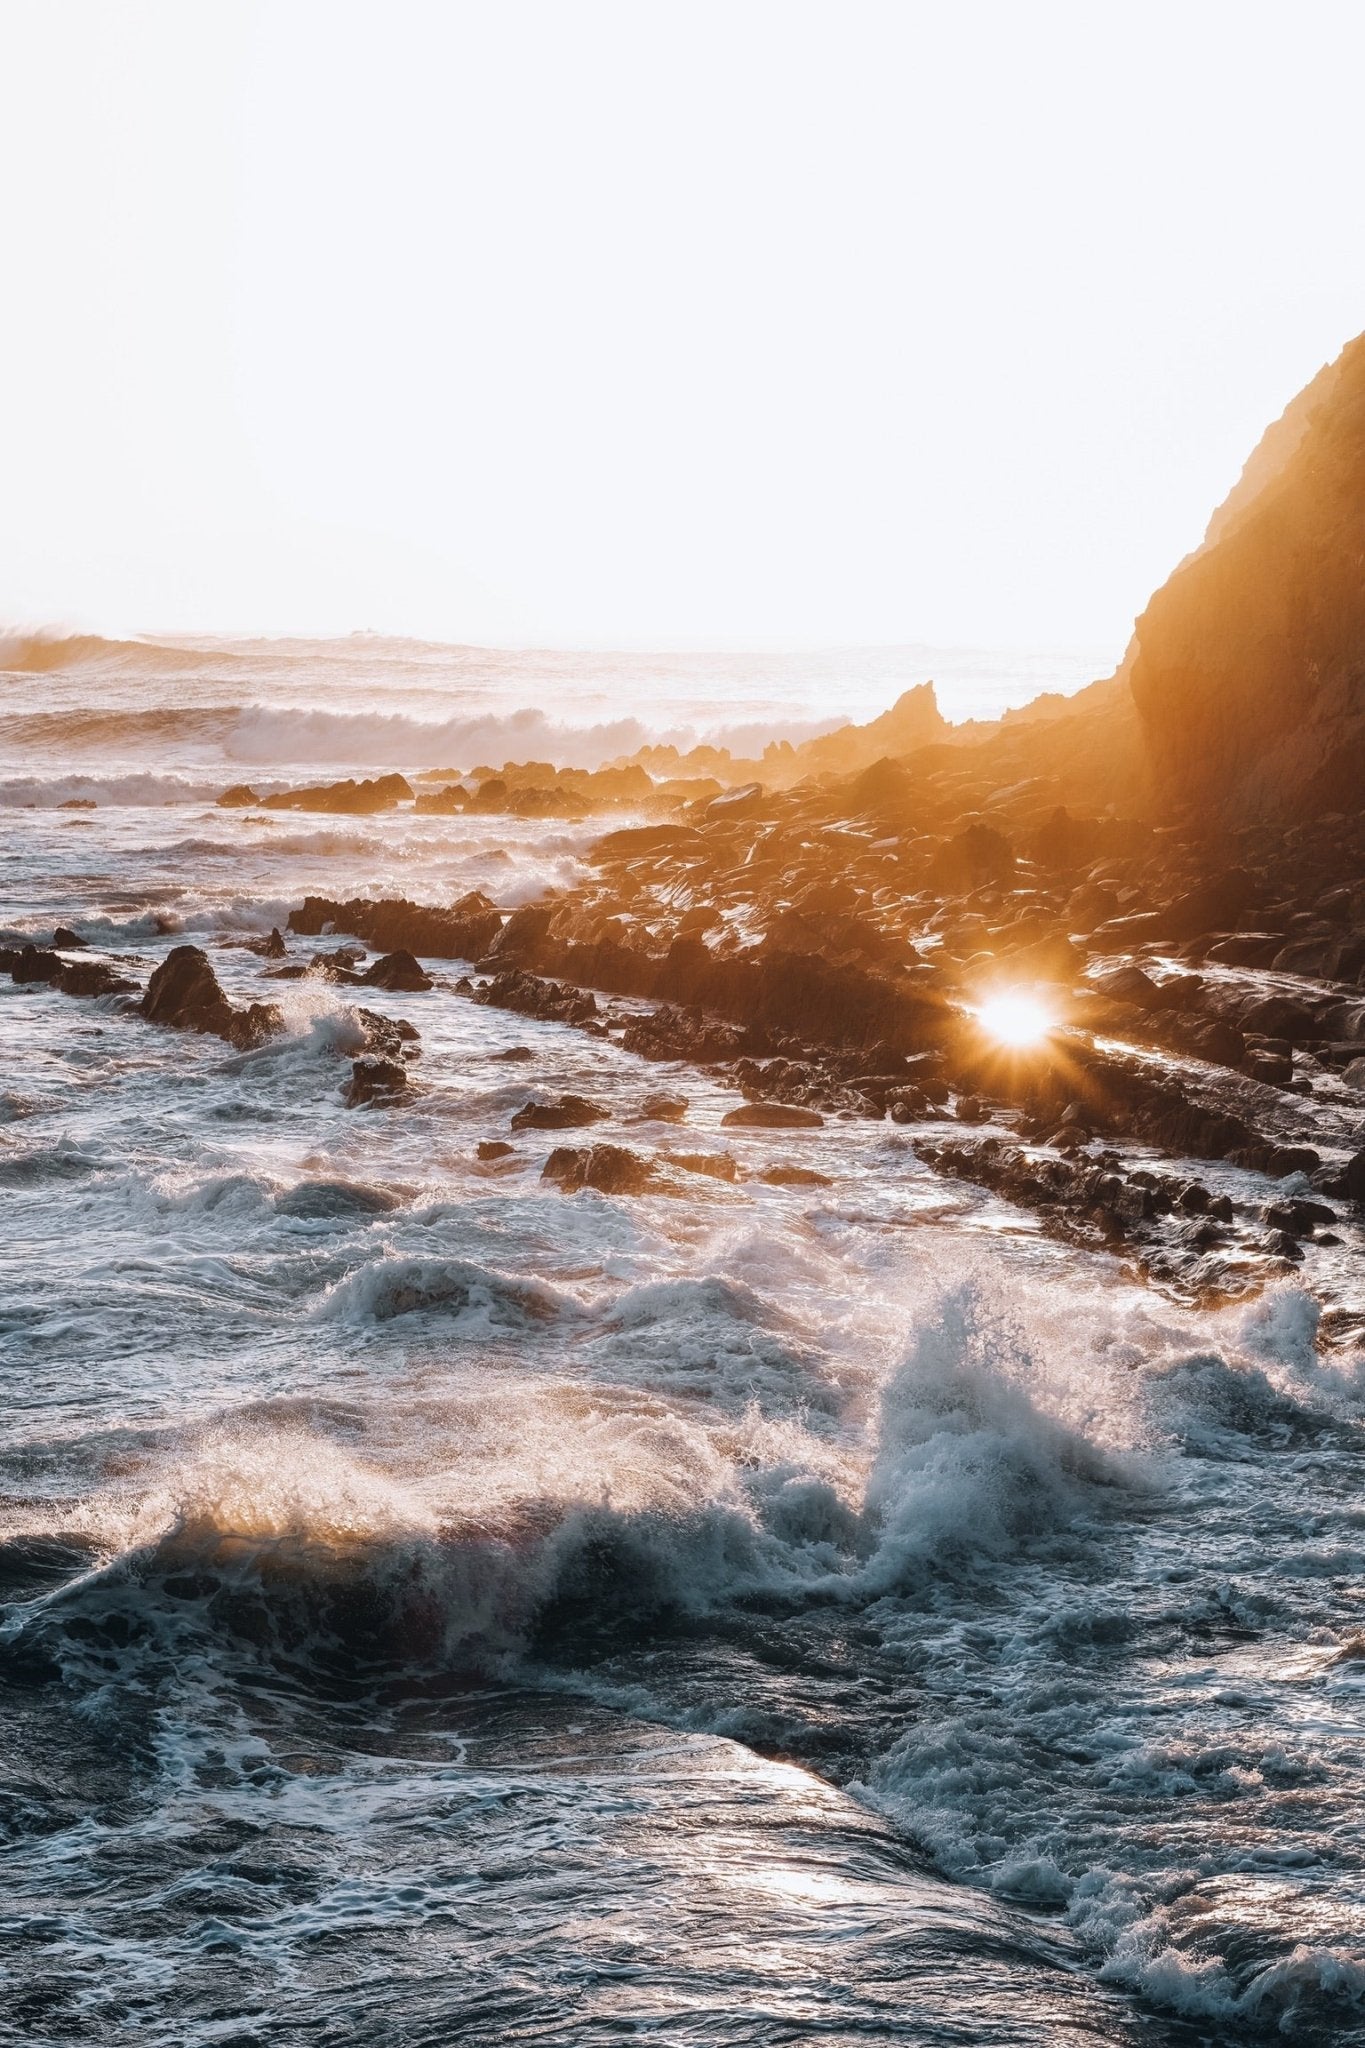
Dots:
(1248, 665)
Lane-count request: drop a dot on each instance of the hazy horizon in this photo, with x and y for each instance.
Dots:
(718, 328)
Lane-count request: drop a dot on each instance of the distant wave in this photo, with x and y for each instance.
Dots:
(252, 735)
(41, 653)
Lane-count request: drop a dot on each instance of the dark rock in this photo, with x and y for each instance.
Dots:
(772, 1116)
(36, 963)
(397, 971)
(664, 1109)
(464, 932)
(495, 1148)
(972, 858)
(274, 947)
(552, 1002)
(714, 1165)
(522, 934)
(238, 797)
(360, 799)
(184, 993)
(567, 1112)
(66, 940)
(794, 1177)
(94, 978)
(380, 1081)
(610, 1169)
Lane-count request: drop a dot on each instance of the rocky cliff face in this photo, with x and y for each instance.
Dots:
(1248, 666)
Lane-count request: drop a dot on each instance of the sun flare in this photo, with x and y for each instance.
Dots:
(1015, 1019)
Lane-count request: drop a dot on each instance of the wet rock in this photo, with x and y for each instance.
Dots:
(463, 932)
(1298, 1217)
(494, 1148)
(566, 1112)
(184, 993)
(528, 995)
(35, 963)
(610, 1169)
(971, 1110)
(238, 797)
(274, 947)
(664, 1109)
(90, 978)
(522, 934)
(397, 971)
(683, 1034)
(714, 1165)
(67, 941)
(360, 799)
(379, 1081)
(794, 1177)
(772, 1116)
(515, 1055)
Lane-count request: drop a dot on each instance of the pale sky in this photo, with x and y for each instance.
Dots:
(664, 322)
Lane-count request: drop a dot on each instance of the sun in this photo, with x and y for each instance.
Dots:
(1015, 1019)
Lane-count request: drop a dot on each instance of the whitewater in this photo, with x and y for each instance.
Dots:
(436, 1608)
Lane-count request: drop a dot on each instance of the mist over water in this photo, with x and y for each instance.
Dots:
(439, 1609)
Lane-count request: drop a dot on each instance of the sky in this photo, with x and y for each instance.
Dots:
(665, 323)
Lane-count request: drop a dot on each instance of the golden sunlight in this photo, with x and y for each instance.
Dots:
(1015, 1018)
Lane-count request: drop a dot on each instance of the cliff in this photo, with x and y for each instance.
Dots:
(1247, 668)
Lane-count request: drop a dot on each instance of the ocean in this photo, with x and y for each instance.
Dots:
(437, 1609)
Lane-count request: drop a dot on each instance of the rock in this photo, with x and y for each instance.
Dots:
(514, 1054)
(664, 1109)
(397, 971)
(463, 932)
(639, 839)
(1353, 1180)
(184, 994)
(971, 1110)
(274, 947)
(380, 1081)
(67, 941)
(1245, 666)
(522, 934)
(972, 858)
(794, 1177)
(495, 1148)
(528, 995)
(91, 978)
(714, 1165)
(36, 963)
(238, 797)
(567, 1112)
(772, 1116)
(360, 799)
(610, 1169)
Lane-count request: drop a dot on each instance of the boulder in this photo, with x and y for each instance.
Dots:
(772, 1116)
(610, 1169)
(397, 971)
(565, 1113)
(380, 1081)
(184, 994)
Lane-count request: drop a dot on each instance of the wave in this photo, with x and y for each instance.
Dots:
(480, 1298)
(44, 653)
(254, 735)
(144, 788)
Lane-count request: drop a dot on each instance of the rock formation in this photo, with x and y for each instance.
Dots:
(1248, 666)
